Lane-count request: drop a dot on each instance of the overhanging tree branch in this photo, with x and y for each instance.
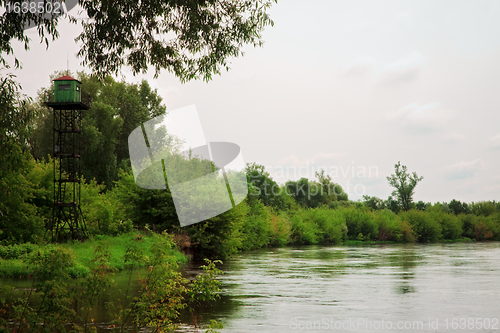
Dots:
(192, 39)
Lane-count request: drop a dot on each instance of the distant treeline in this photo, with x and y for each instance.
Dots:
(273, 219)
(299, 212)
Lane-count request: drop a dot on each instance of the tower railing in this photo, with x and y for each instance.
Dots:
(83, 102)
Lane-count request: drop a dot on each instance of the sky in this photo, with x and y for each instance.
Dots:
(351, 87)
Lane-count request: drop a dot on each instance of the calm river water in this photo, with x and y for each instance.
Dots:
(377, 288)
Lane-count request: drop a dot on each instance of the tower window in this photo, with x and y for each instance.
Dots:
(64, 87)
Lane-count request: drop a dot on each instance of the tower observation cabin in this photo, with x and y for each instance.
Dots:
(68, 103)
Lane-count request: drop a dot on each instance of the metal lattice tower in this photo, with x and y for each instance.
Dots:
(68, 103)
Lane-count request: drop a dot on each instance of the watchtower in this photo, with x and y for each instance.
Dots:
(68, 102)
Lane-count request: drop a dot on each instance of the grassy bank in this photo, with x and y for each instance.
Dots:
(18, 261)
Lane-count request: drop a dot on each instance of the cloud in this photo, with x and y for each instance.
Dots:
(403, 70)
(420, 119)
(493, 185)
(403, 15)
(403, 20)
(359, 67)
(467, 187)
(494, 141)
(319, 159)
(463, 169)
(453, 137)
(493, 188)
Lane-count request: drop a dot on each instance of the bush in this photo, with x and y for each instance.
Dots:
(407, 232)
(257, 229)
(425, 228)
(17, 250)
(468, 222)
(481, 228)
(304, 230)
(359, 221)
(493, 222)
(484, 228)
(331, 224)
(65, 302)
(390, 227)
(451, 226)
(220, 236)
(281, 229)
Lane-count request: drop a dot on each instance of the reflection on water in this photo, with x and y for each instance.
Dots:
(368, 287)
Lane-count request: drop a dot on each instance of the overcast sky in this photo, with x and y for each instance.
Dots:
(353, 87)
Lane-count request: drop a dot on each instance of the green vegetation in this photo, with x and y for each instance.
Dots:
(17, 260)
(404, 185)
(63, 303)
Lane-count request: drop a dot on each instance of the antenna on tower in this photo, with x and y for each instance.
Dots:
(67, 60)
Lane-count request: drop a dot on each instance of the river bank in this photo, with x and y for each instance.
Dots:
(17, 261)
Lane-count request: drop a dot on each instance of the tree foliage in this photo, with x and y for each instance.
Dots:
(117, 109)
(265, 189)
(19, 217)
(404, 184)
(13, 25)
(374, 202)
(315, 193)
(458, 207)
(192, 39)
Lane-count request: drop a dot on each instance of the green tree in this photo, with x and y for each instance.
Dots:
(132, 104)
(16, 124)
(420, 205)
(19, 218)
(404, 184)
(263, 187)
(152, 208)
(301, 191)
(458, 207)
(330, 191)
(117, 109)
(374, 202)
(192, 39)
(314, 194)
(392, 204)
(484, 208)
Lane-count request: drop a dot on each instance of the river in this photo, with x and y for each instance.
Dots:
(446, 287)
(377, 288)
